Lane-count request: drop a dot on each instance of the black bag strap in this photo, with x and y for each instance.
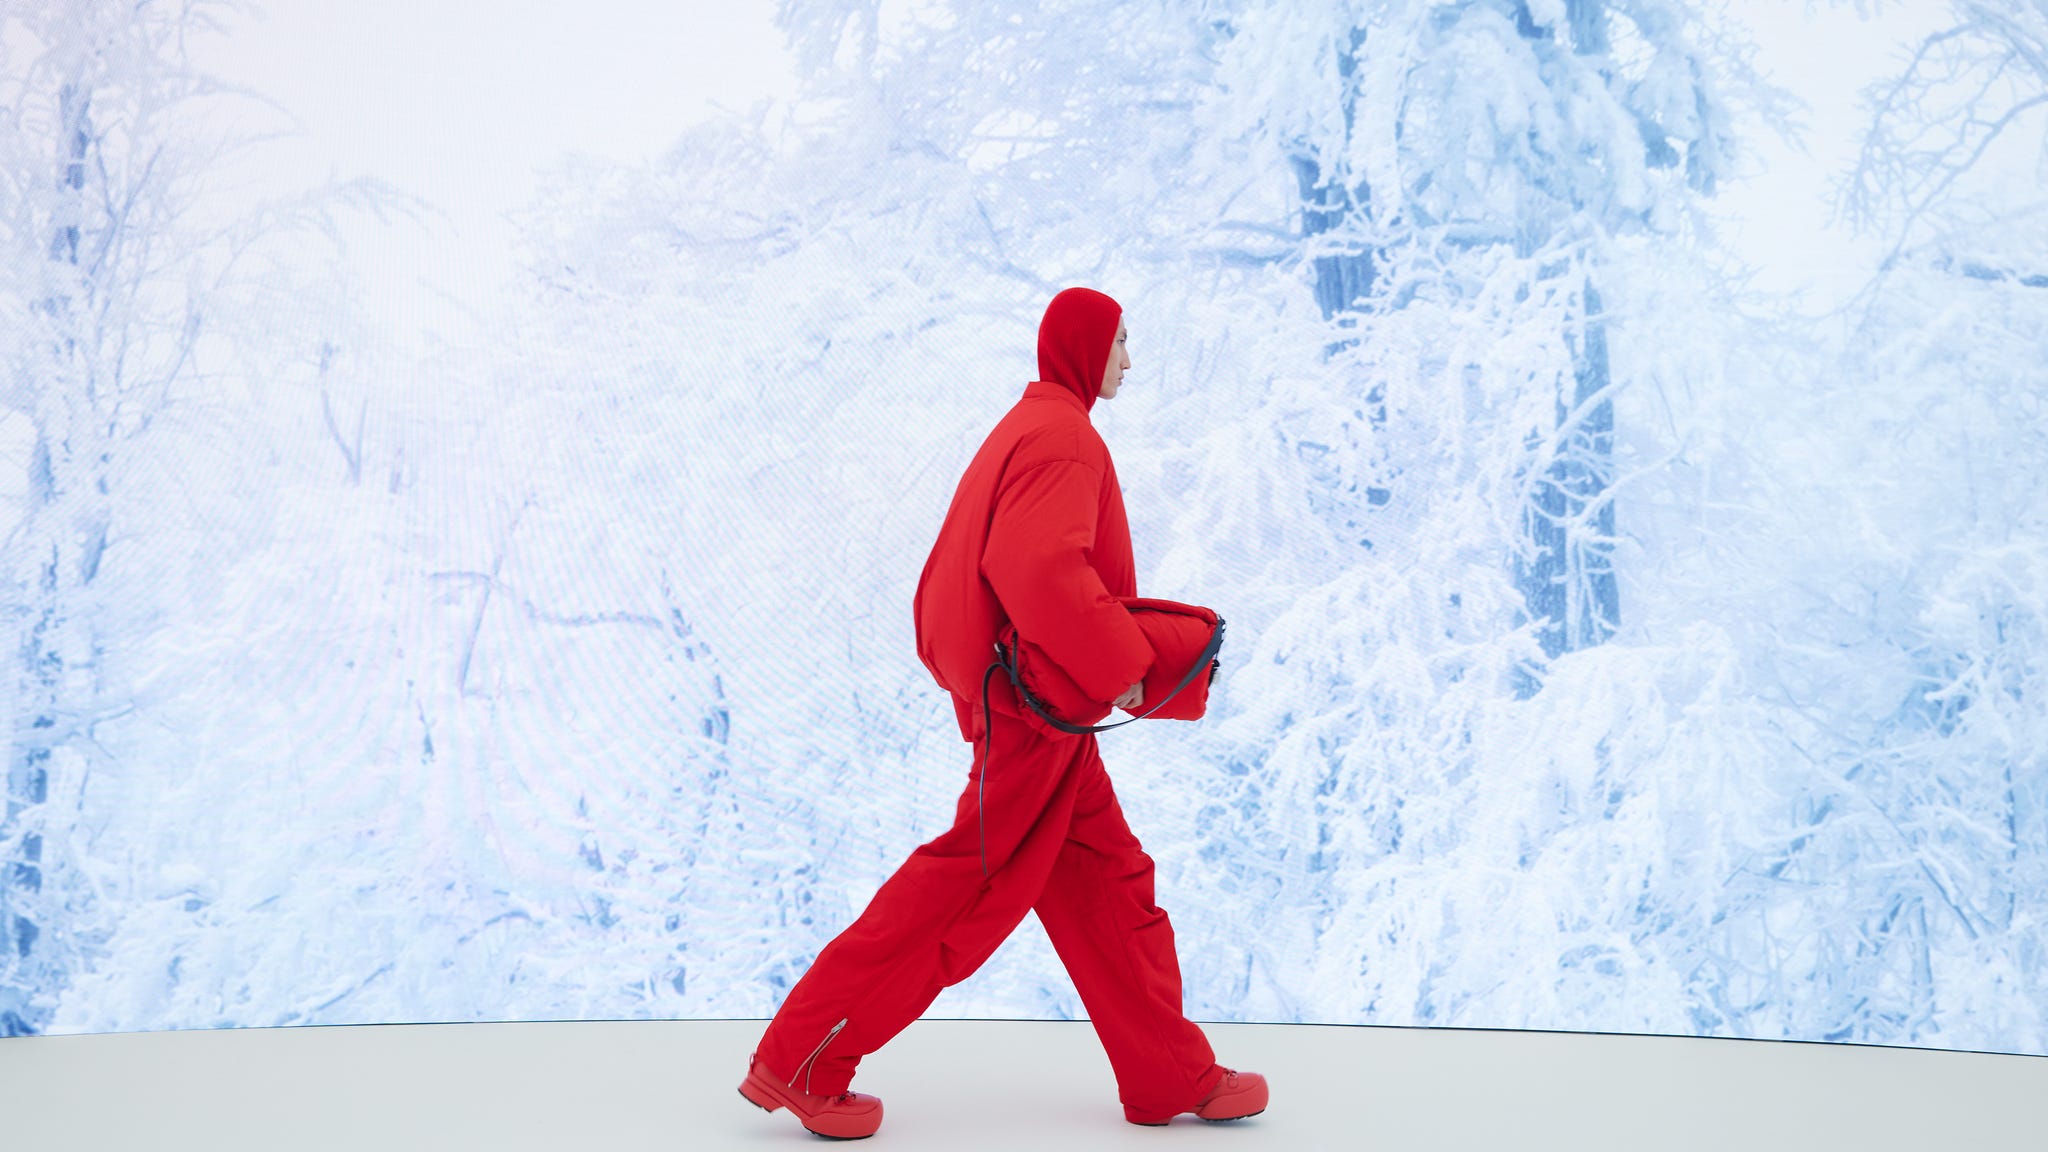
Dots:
(1007, 661)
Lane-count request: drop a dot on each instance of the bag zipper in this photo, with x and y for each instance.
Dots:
(806, 1065)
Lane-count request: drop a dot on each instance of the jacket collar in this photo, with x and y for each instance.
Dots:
(1047, 389)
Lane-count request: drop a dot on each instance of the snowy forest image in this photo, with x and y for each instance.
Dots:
(1638, 616)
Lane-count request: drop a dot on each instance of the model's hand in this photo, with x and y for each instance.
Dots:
(1133, 697)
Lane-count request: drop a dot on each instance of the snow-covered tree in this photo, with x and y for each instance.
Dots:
(162, 332)
(1955, 138)
(1924, 833)
(103, 323)
(1551, 130)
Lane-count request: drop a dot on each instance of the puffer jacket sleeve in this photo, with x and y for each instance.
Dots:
(1037, 562)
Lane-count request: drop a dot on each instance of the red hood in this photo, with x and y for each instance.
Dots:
(1074, 341)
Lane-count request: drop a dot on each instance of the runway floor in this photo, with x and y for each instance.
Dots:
(979, 1084)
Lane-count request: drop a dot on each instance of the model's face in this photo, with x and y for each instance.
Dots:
(1119, 359)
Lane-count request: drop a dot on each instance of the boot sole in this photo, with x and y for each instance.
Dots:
(761, 1096)
(1198, 1116)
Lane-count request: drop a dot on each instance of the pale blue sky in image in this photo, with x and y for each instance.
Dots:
(1780, 218)
(460, 102)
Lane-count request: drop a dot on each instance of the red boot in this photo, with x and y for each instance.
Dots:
(847, 1116)
(1236, 1096)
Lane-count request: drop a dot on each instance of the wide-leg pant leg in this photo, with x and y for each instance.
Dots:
(937, 918)
(1117, 945)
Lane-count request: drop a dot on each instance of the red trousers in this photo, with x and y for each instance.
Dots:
(1056, 844)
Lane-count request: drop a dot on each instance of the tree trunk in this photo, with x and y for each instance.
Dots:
(63, 534)
(1342, 278)
(1332, 204)
(1568, 584)
(1331, 201)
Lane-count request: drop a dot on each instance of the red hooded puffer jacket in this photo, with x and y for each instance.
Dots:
(1037, 535)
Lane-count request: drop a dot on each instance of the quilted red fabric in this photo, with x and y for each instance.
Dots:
(1037, 534)
(1178, 633)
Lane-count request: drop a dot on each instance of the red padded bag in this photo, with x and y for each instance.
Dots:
(1184, 639)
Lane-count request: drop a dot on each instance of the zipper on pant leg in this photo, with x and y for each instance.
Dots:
(805, 1067)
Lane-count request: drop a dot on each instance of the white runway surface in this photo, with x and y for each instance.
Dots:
(975, 1084)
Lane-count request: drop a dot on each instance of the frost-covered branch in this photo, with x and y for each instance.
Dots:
(1935, 124)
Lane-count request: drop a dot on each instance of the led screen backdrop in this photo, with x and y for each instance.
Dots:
(465, 573)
